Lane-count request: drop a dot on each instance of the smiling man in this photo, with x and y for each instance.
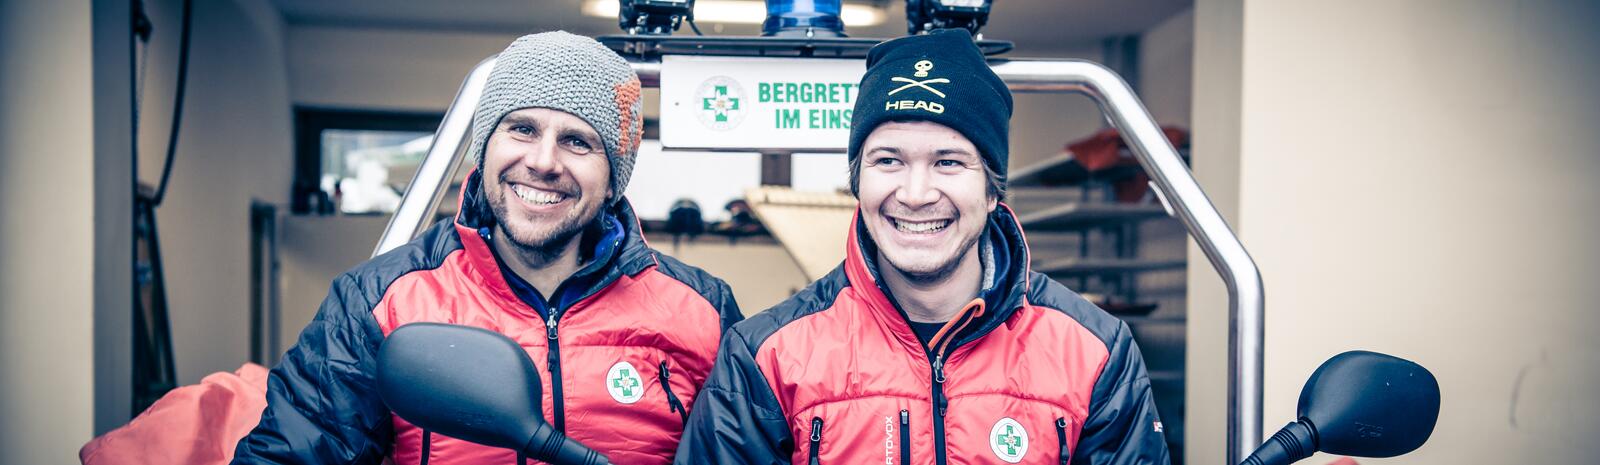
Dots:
(545, 251)
(933, 343)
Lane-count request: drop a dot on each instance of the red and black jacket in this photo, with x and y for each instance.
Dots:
(641, 317)
(1030, 372)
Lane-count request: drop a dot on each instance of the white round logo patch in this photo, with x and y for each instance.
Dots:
(720, 103)
(1008, 440)
(624, 383)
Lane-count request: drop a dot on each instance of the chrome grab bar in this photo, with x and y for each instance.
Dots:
(442, 161)
(1183, 196)
(1176, 186)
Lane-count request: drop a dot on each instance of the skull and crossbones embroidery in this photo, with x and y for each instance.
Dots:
(922, 68)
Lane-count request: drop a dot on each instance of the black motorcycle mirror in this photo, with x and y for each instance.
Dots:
(1361, 404)
(474, 385)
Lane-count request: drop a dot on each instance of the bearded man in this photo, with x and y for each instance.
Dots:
(546, 251)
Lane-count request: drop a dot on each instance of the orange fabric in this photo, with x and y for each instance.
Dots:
(1103, 150)
(627, 100)
(195, 424)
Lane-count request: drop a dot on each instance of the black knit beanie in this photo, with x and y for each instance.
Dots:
(939, 77)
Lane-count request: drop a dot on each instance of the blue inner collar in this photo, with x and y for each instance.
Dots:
(596, 251)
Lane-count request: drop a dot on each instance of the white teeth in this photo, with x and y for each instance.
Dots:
(536, 196)
(921, 227)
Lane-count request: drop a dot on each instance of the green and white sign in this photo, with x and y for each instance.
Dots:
(624, 383)
(757, 103)
(1008, 440)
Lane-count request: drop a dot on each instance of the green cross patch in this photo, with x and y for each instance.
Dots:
(720, 103)
(625, 381)
(624, 384)
(1008, 440)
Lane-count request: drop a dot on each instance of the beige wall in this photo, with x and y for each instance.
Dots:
(65, 230)
(367, 68)
(1219, 26)
(1416, 178)
(1166, 62)
(236, 145)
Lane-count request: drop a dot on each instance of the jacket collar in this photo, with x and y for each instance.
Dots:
(1006, 259)
(628, 254)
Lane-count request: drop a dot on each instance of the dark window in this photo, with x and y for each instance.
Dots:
(356, 161)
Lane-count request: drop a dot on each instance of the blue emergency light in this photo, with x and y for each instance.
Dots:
(803, 18)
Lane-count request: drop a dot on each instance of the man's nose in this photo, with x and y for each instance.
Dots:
(542, 158)
(918, 190)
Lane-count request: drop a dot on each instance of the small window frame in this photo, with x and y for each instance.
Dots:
(310, 122)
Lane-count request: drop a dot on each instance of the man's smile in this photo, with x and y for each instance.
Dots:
(536, 197)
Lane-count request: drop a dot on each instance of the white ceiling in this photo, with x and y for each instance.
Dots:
(1033, 25)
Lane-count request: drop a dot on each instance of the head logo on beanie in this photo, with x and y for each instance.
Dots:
(922, 68)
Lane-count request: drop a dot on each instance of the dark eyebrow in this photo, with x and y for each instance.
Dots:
(586, 135)
(515, 119)
(948, 152)
(891, 150)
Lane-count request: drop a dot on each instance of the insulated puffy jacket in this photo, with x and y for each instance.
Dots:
(620, 361)
(1028, 373)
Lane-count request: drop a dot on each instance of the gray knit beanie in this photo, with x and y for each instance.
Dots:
(574, 74)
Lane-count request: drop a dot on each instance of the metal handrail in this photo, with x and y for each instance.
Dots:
(1179, 191)
(1184, 197)
(443, 160)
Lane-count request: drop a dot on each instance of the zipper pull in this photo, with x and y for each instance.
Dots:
(905, 437)
(550, 326)
(673, 404)
(816, 440)
(1061, 438)
(938, 369)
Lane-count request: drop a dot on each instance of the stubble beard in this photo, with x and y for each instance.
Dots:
(535, 249)
(940, 273)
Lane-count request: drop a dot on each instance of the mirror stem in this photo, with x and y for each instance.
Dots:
(1294, 442)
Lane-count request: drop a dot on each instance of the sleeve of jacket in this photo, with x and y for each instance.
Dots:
(322, 406)
(1122, 427)
(726, 306)
(736, 419)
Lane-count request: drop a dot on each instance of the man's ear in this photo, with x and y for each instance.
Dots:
(994, 202)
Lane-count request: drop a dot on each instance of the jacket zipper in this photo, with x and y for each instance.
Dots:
(816, 440)
(905, 437)
(555, 371)
(1061, 439)
(939, 406)
(672, 399)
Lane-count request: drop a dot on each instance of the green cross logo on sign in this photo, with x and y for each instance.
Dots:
(720, 103)
(624, 384)
(1008, 440)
